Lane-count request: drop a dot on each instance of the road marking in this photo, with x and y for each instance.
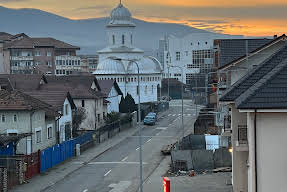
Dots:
(157, 134)
(148, 140)
(174, 115)
(120, 187)
(85, 190)
(107, 173)
(125, 158)
(115, 162)
(169, 114)
(137, 148)
(179, 114)
(161, 128)
(189, 114)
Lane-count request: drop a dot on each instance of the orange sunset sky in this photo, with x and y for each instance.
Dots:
(245, 17)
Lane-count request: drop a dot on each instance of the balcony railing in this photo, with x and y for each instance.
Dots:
(22, 58)
(242, 134)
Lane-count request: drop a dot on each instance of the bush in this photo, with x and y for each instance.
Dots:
(112, 117)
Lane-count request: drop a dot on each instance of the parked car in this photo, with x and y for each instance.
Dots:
(152, 114)
(150, 120)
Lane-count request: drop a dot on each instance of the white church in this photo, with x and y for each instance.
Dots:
(117, 60)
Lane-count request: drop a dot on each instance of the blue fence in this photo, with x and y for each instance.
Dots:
(9, 150)
(52, 156)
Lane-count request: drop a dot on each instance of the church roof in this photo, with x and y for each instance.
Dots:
(110, 66)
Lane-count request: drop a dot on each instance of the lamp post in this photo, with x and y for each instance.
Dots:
(139, 118)
(181, 97)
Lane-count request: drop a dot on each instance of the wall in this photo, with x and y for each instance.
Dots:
(271, 152)
(114, 100)
(101, 108)
(90, 108)
(239, 158)
(65, 119)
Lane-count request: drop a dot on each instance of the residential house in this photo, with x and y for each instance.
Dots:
(22, 114)
(112, 93)
(258, 118)
(233, 63)
(86, 93)
(28, 55)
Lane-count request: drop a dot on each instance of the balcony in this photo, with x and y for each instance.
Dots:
(242, 138)
(21, 58)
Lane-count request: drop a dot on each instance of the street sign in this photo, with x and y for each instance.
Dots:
(166, 184)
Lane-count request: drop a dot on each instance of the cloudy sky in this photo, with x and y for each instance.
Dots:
(247, 17)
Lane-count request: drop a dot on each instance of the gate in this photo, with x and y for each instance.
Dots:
(33, 165)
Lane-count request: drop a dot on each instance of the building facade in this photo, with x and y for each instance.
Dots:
(119, 60)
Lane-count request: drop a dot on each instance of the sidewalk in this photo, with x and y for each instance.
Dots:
(56, 174)
(215, 182)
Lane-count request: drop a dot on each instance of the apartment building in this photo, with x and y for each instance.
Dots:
(89, 63)
(22, 54)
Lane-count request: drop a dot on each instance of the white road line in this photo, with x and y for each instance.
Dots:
(137, 148)
(85, 190)
(148, 140)
(189, 114)
(179, 114)
(157, 134)
(125, 158)
(169, 114)
(115, 162)
(174, 115)
(107, 173)
(161, 128)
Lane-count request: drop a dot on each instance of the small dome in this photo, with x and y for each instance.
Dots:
(110, 66)
(120, 15)
(146, 65)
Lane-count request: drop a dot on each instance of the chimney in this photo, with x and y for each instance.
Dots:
(275, 36)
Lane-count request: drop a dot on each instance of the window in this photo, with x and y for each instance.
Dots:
(49, 63)
(3, 118)
(145, 89)
(37, 53)
(49, 131)
(137, 90)
(15, 118)
(123, 39)
(38, 136)
(83, 103)
(114, 40)
(186, 53)
(131, 39)
(177, 56)
(66, 109)
(152, 88)
(68, 53)
(177, 75)
(104, 115)
(99, 117)
(48, 53)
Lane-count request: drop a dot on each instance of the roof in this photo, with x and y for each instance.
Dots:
(30, 43)
(106, 86)
(55, 98)
(265, 87)
(23, 81)
(232, 50)
(5, 36)
(17, 100)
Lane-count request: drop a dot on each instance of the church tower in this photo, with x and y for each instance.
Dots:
(120, 28)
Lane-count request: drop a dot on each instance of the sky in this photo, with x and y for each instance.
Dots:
(236, 17)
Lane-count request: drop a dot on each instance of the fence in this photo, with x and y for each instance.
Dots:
(32, 162)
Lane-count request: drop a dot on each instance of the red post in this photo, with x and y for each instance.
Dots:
(166, 184)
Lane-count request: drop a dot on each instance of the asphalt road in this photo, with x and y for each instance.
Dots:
(117, 170)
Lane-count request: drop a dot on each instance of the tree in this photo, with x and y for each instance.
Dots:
(112, 117)
(79, 115)
(127, 104)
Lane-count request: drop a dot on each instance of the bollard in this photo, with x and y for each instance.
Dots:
(78, 150)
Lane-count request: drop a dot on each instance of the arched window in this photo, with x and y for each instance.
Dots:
(152, 88)
(123, 39)
(131, 38)
(114, 40)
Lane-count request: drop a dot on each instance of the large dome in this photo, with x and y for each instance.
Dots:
(147, 65)
(121, 15)
(110, 66)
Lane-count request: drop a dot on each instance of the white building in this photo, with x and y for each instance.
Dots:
(120, 31)
(193, 52)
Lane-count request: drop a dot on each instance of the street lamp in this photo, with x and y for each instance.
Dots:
(181, 97)
(139, 117)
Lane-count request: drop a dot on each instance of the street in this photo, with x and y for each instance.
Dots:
(117, 170)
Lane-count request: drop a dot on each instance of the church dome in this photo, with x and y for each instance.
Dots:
(110, 66)
(120, 15)
(147, 65)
